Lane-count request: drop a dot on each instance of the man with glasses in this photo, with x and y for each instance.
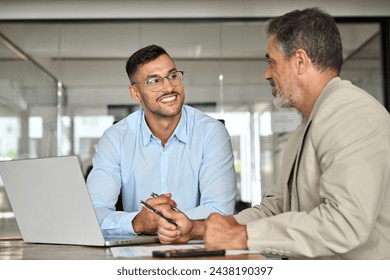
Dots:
(165, 147)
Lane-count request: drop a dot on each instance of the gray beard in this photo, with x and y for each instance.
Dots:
(282, 102)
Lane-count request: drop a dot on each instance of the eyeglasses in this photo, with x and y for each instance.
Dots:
(156, 83)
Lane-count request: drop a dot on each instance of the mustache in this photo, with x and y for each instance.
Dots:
(271, 82)
(167, 94)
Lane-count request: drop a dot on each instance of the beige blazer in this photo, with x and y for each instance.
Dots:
(337, 164)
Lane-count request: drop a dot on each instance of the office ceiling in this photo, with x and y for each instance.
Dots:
(89, 57)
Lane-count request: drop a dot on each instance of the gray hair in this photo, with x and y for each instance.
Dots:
(312, 30)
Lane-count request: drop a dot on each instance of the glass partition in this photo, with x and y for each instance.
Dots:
(28, 106)
(26, 128)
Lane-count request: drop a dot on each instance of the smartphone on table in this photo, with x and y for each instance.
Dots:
(186, 253)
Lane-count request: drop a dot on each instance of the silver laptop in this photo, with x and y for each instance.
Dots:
(51, 203)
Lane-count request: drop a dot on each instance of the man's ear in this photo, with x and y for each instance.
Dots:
(134, 93)
(302, 60)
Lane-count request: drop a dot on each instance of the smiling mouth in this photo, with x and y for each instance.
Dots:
(168, 99)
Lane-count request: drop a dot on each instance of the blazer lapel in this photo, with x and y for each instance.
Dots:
(289, 159)
(293, 180)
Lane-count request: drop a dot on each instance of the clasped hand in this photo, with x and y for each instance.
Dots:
(146, 221)
(217, 231)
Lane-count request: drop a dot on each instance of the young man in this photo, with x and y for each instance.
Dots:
(165, 147)
(332, 198)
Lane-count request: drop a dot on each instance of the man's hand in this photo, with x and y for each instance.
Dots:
(146, 220)
(223, 232)
(168, 233)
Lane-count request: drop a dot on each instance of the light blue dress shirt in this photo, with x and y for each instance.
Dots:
(196, 166)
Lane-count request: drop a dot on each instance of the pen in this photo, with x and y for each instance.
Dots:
(144, 204)
(153, 194)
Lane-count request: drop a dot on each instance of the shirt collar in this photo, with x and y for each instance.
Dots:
(181, 131)
(147, 134)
